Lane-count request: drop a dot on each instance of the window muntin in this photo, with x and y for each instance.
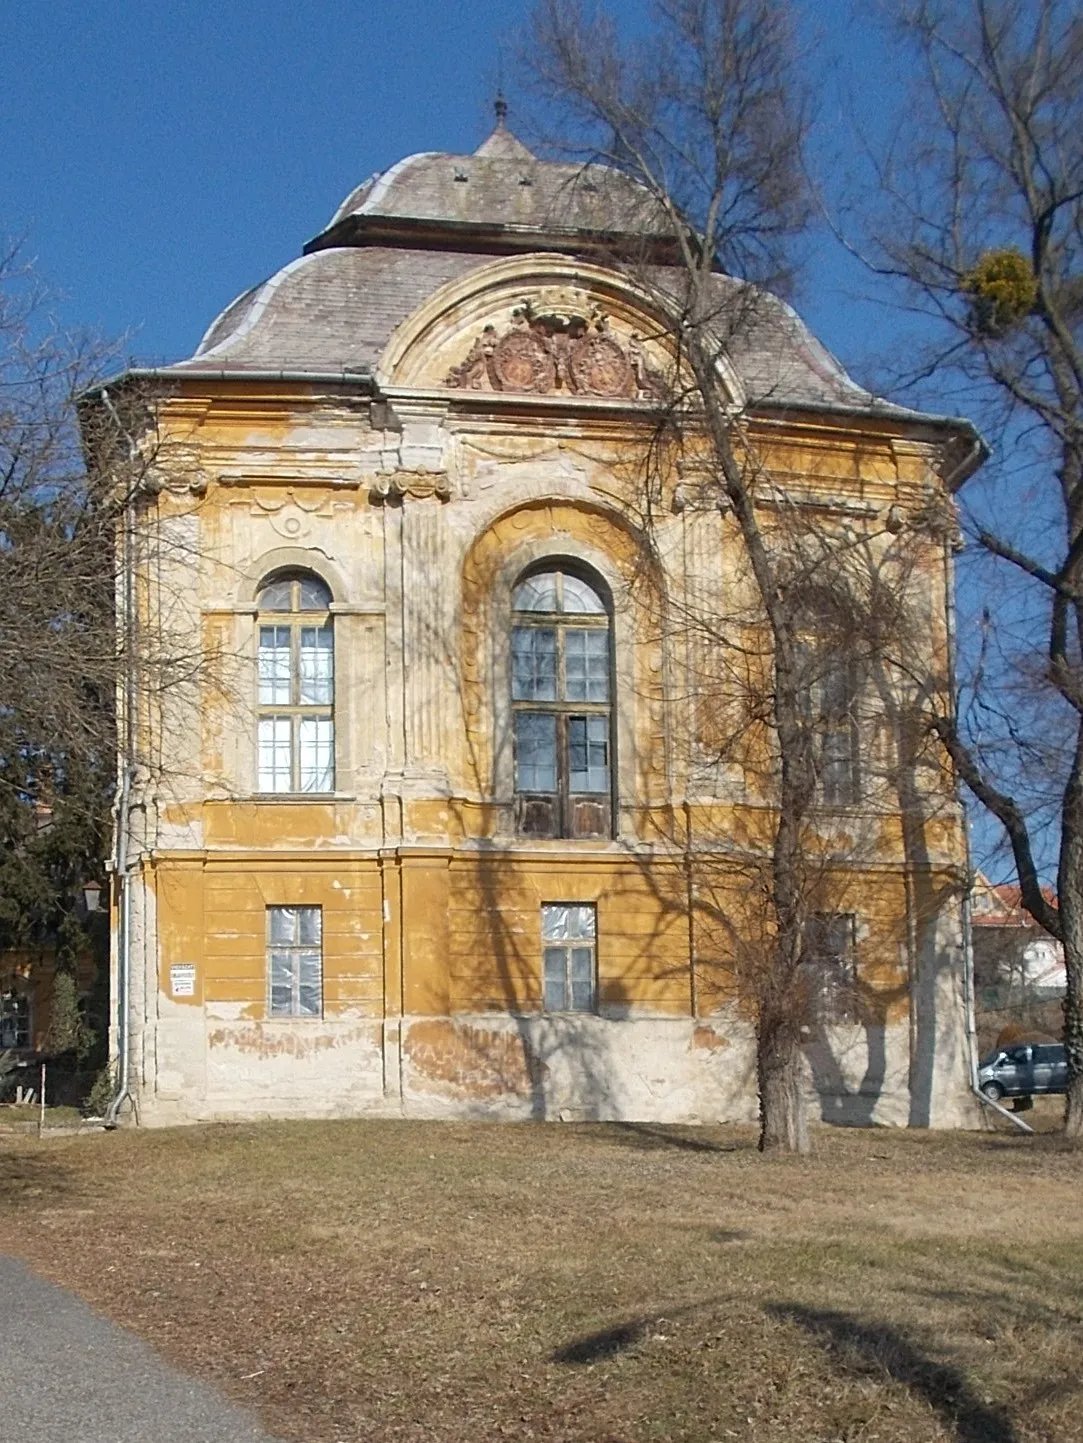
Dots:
(562, 723)
(14, 1020)
(296, 670)
(295, 961)
(569, 936)
(830, 966)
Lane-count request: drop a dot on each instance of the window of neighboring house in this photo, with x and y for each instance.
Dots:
(830, 966)
(569, 934)
(295, 961)
(560, 696)
(829, 696)
(296, 686)
(14, 1020)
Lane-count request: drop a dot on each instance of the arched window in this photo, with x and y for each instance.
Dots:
(560, 697)
(296, 685)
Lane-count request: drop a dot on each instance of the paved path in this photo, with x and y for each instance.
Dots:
(69, 1376)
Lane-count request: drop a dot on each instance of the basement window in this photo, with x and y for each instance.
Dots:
(295, 961)
(569, 935)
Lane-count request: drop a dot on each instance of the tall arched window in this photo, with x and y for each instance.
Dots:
(560, 691)
(296, 685)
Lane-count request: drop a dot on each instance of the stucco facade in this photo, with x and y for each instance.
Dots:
(446, 396)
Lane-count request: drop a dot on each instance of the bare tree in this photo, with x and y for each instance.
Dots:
(707, 115)
(979, 215)
(78, 494)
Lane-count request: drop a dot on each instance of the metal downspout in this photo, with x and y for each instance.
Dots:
(968, 935)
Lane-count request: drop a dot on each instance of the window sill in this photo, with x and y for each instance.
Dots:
(293, 798)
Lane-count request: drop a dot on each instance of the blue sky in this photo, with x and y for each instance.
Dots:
(160, 159)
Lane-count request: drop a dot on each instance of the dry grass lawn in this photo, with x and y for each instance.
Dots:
(416, 1281)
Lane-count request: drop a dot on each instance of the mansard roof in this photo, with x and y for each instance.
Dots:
(435, 218)
(334, 311)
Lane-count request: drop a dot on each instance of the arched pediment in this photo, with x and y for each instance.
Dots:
(539, 325)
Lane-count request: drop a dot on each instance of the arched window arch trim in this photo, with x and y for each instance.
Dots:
(295, 683)
(562, 684)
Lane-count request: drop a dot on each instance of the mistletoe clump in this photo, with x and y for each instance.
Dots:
(1002, 290)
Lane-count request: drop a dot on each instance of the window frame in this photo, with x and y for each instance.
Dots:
(296, 712)
(832, 724)
(295, 950)
(568, 946)
(569, 811)
(12, 1002)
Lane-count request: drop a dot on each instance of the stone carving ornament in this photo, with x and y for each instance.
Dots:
(557, 350)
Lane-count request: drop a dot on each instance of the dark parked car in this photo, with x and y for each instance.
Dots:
(1024, 1068)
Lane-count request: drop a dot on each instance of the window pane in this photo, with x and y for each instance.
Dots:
(563, 921)
(581, 599)
(313, 595)
(310, 989)
(276, 595)
(536, 593)
(533, 663)
(274, 665)
(588, 753)
(586, 665)
(281, 969)
(836, 689)
(317, 666)
(555, 990)
(582, 979)
(281, 1001)
(282, 924)
(317, 753)
(310, 919)
(535, 752)
(274, 754)
(837, 766)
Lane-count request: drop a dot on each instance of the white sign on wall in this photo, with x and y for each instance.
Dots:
(182, 979)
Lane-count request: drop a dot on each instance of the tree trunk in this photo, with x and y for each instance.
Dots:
(1070, 898)
(783, 1118)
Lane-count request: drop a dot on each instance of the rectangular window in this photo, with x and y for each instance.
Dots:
(568, 956)
(295, 961)
(830, 965)
(14, 1020)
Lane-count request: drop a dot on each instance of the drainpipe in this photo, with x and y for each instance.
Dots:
(122, 836)
(968, 935)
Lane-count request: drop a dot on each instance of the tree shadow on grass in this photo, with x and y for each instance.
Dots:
(652, 1137)
(605, 1344)
(29, 1180)
(864, 1348)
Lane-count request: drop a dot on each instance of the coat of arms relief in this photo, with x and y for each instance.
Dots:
(552, 346)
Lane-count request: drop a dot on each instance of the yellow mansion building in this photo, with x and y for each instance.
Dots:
(415, 839)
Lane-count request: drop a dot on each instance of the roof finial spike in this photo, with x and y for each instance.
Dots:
(500, 105)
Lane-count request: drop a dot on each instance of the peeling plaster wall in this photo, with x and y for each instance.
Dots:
(545, 1068)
